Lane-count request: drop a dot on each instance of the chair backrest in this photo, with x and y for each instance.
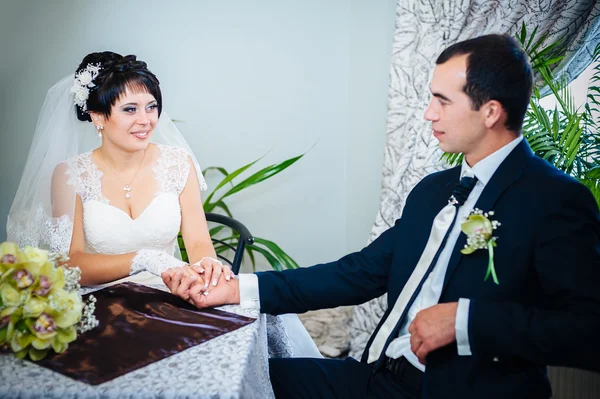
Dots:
(245, 238)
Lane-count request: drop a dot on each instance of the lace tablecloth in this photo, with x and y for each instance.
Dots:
(233, 365)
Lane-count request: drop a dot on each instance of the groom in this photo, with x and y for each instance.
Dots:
(478, 325)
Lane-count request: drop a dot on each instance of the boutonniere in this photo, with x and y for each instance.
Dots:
(479, 228)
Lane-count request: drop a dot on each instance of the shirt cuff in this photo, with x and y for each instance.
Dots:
(249, 291)
(461, 326)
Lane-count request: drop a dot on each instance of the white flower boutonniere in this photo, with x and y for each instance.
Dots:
(479, 228)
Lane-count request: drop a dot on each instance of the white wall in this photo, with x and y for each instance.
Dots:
(246, 78)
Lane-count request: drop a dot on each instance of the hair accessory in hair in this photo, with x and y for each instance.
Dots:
(82, 83)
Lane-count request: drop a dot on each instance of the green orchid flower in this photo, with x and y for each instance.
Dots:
(34, 307)
(10, 296)
(479, 229)
(65, 307)
(9, 253)
(35, 255)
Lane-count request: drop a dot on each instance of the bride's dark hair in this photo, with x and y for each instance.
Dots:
(117, 74)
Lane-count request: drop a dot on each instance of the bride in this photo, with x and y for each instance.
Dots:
(111, 181)
(116, 209)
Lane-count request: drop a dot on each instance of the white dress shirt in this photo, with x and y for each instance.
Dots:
(432, 288)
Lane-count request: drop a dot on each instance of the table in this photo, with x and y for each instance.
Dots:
(233, 365)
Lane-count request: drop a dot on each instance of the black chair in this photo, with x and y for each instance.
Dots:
(245, 238)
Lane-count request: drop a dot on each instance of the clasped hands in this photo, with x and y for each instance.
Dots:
(193, 283)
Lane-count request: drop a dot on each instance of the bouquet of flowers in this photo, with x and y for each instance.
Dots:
(40, 306)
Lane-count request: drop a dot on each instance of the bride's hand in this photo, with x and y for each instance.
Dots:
(184, 271)
(212, 269)
(172, 278)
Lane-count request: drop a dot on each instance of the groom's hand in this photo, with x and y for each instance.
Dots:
(225, 293)
(433, 328)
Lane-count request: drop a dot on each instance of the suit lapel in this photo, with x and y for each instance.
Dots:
(509, 171)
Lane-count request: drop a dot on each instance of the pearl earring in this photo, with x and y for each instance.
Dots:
(99, 129)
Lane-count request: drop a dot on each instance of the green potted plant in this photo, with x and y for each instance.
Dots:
(231, 184)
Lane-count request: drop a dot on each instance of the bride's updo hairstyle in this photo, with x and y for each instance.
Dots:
(113, 75)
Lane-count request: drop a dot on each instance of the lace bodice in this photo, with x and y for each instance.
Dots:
(108, 229)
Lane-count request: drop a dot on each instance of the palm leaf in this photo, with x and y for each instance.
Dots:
(214, 231)
(261, 175)
(452, 159)
(276, 250)
(219, 169)
(593, 173)
(230, 178)
(223, 236)
(218, 205)
(252, 259)
(182, 250)
(594, 187)
(273, 261)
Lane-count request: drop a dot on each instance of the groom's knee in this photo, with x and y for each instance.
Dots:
(317, 378)
(286, 377)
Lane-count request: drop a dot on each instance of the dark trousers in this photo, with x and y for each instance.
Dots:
(331, 378)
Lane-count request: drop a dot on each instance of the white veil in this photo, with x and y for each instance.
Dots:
(43, 218)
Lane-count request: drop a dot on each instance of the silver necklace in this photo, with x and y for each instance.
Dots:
(127, 187)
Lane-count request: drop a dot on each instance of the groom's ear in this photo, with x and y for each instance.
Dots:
(493, 113)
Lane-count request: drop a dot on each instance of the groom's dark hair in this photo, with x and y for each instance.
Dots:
(497, 69)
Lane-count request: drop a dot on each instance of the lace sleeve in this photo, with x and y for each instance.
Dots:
(154, 262)
(85, 177)
(173, 168)
(75, 176)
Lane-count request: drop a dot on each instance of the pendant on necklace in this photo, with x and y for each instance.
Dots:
(127, 190)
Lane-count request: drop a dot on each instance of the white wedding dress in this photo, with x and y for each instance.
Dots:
(109, 230)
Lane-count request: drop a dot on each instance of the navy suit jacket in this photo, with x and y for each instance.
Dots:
(545, 311)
